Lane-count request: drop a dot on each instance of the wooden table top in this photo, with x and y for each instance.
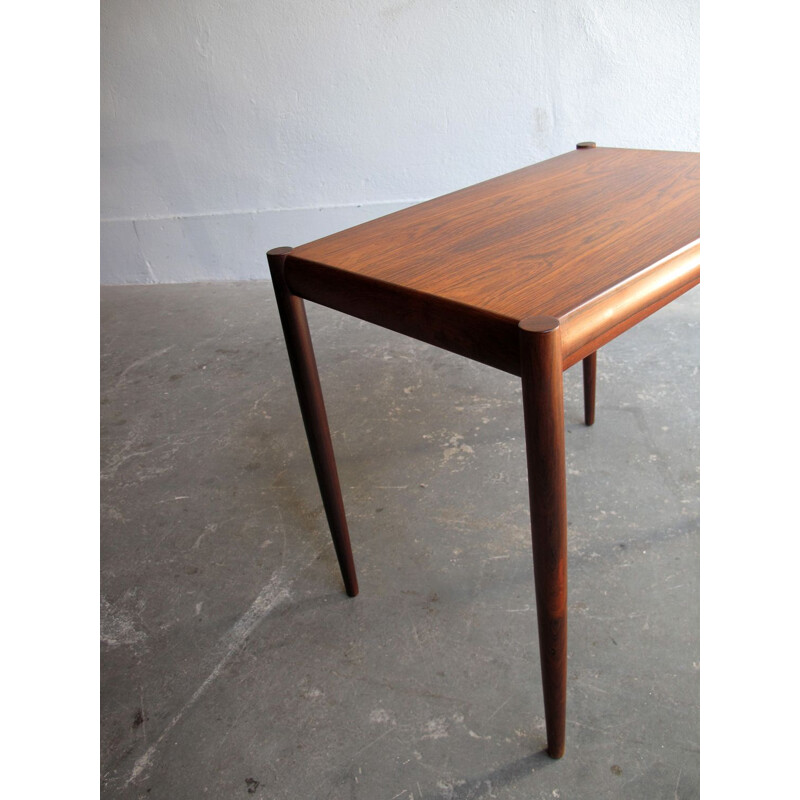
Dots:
(590, 237)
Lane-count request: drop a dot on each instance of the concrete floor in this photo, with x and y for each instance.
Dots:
(233, 664)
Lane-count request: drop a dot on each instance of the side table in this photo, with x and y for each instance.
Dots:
(529, 272)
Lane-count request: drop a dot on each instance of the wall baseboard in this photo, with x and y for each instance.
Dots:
(217, 247)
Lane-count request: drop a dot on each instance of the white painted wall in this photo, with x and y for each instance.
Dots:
(231, 128)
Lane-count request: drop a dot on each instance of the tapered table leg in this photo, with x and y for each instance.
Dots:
(309, 393)
(589, 383)
(543, 403)
(590, 362)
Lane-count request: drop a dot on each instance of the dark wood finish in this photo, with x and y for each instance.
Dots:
(553, 239)
(589, 384)
(315, 419)
(543, 404)
(530, 272)
(452, 326)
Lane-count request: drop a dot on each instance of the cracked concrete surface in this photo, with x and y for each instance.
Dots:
(233, 664)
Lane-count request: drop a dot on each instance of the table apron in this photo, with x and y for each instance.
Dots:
(452, 326)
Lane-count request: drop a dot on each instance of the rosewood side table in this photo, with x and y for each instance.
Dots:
(529, 272)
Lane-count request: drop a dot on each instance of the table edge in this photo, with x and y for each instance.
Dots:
(484, 336)
(650, 288)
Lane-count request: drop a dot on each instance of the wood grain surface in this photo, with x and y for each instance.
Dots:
(551, 239)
